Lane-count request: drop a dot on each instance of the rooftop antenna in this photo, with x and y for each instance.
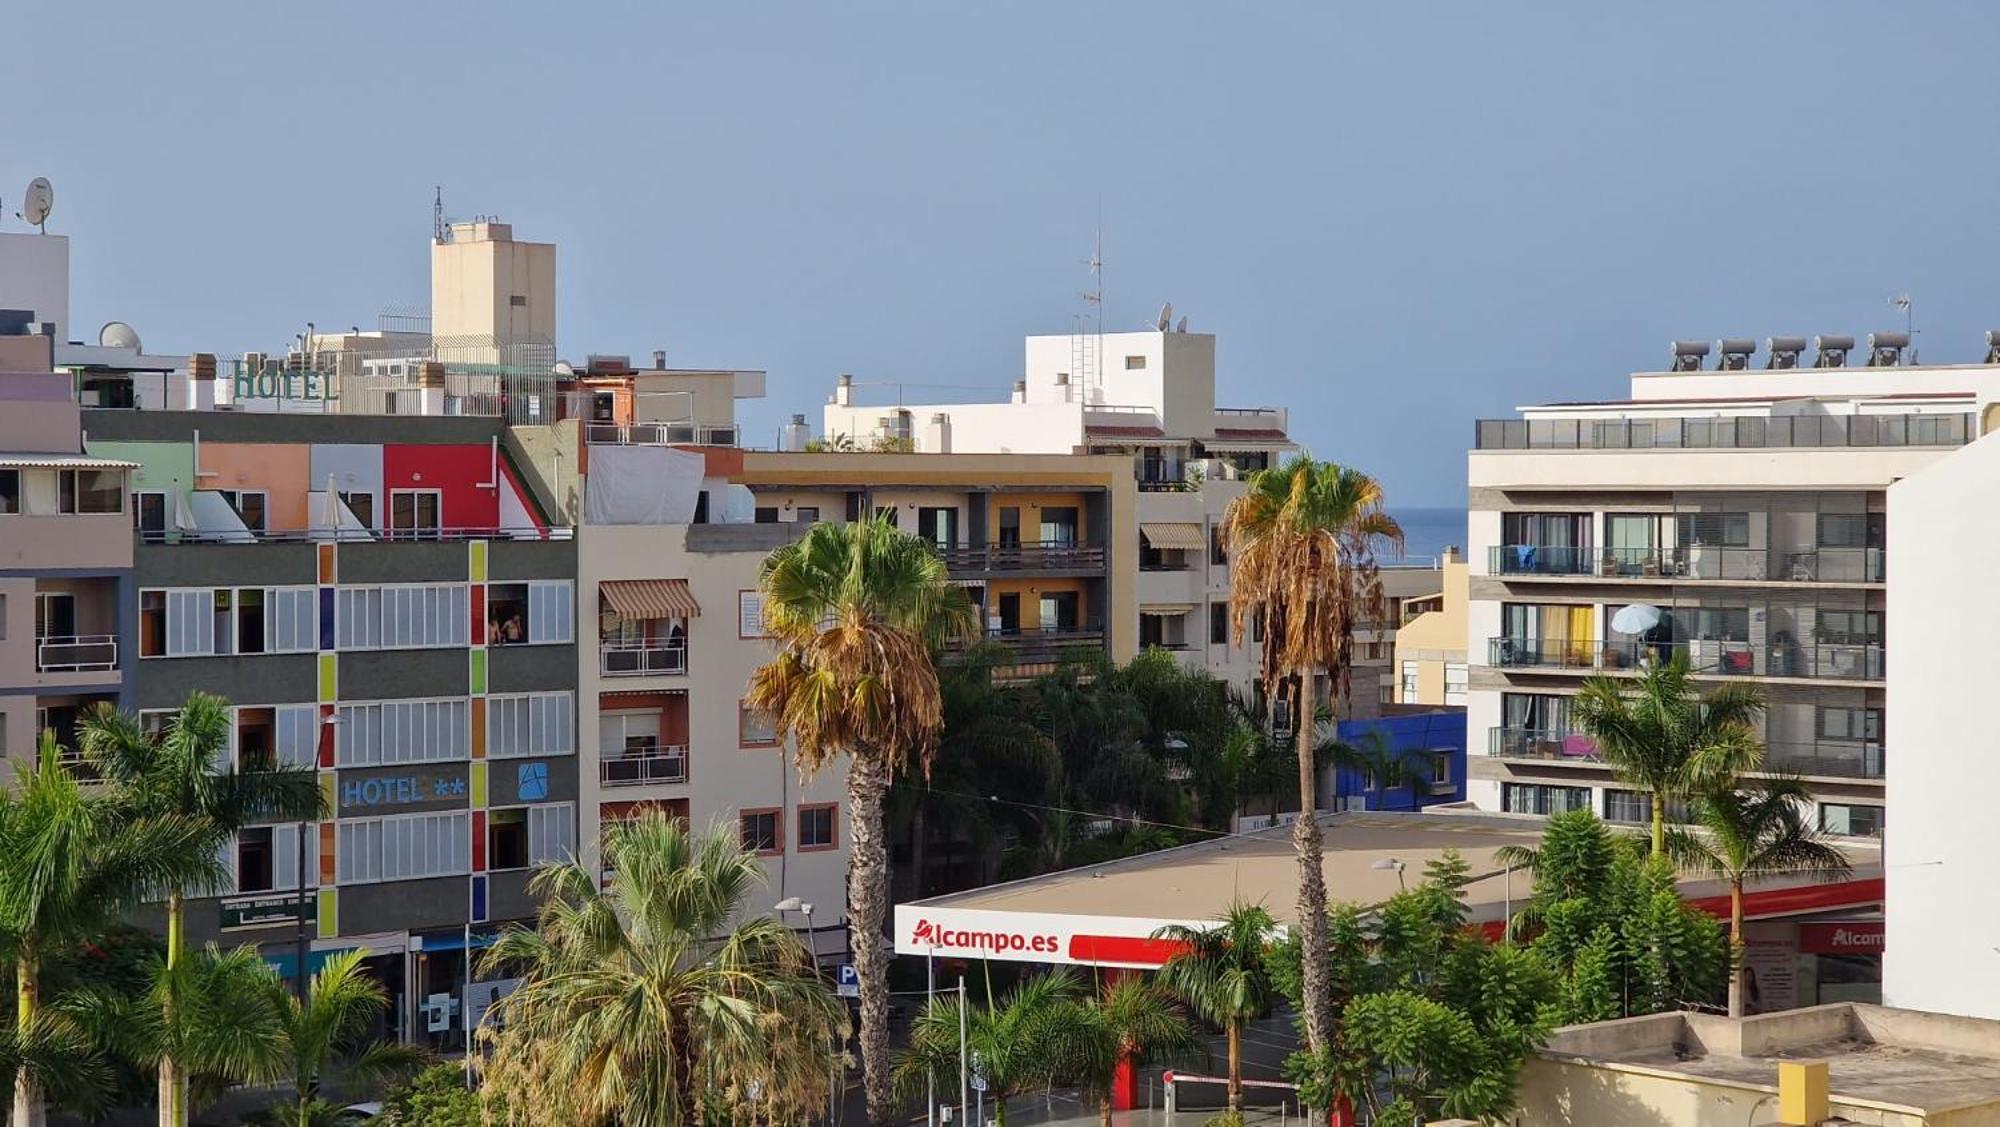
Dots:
(1902, 304)
(37, 202)
(440, 230)
(1087, 341)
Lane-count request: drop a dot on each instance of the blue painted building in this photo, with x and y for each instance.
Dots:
(1431, 745)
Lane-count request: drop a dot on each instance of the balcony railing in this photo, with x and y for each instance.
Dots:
(1044, 555)
(659, 434)
(644, 765)
(1039, 646)
(642, 659)
(76, 653)
(346, 535)
(1844, 661)
(1542, 743)
(1696, 562)
(1837, 760)
(1756, 433)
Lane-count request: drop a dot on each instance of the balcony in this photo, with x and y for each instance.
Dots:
(1044, 555)
(81, 653)
(1694, 563)
(642, 765)
(1829, 760)
(1841, 661)
(1036, 646)
(1705, 433)
(1559, 745)
(659, 658)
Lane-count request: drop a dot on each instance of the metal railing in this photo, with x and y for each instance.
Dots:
(1844, 661)
(1029, 555)
(1836, 760)
(1694, 562)
(659, 434)
(1541, 743)
(76, 653)
(1691, 433)
(1043, 645)
(641, 659)
(346, 535)
(644, 765)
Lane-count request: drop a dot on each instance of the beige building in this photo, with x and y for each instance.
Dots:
(493, 299)
(1837, 1064)
(1429, 665)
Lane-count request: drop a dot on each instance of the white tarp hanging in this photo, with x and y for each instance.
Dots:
(739, 505)
(642, 485)
(215, 519)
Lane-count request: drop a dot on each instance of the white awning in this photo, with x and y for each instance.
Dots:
(1168, 610)
(35, 461)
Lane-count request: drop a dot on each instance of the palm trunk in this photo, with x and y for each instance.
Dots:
(172, 1085)
(1659, 823)
(867, 893)
(1312, 880)
(1104, 1112)
(28, 1111)
(1736, 947)
(1236, 1064)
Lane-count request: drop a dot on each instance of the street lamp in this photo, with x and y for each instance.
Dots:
(805, 908)
(1388, 864)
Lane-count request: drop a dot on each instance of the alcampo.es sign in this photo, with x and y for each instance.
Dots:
(961, 940)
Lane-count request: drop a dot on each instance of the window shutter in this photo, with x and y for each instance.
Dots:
(750, 614)
(284, 858)
(226, 854)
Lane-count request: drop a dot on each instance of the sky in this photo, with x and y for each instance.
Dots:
(1397, 217)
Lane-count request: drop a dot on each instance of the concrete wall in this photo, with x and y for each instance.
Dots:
(1554, 1092)
(34, 275)
(989, 428)
(1941, 843)
(474, 277)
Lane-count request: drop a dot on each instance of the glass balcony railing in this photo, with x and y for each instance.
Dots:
(1696, 562)
(638, 765)
(642, 659)
(1834, 760)
(1706, 433)
(1843, 661)
(1541, 743)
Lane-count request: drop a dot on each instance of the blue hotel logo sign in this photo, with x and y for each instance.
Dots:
(400, 790)
(533, 782)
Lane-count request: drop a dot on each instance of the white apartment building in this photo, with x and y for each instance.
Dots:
(1743, 507)
(1147, 396)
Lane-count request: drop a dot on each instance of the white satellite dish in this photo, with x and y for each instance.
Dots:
(118, 334)
(1182, 327)
(1166, 320)
(563, 369)
(38, 201)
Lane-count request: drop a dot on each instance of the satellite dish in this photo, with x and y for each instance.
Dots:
(38, 201)
(1182, 327)
(1166, 320)
(564, 369)
(118, 334)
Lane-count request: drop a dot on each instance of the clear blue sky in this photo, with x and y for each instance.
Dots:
(1398, 217)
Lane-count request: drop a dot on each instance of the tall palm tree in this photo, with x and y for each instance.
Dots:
(1301, 545)
(1754, 831)
(76, 861)
(1017, 1042)
(1223, 973)
(329, 1031)
(183, 771)
(1136, 1022)
(856, 610)
(1383, 766)
(651, 999)
(1664, 738)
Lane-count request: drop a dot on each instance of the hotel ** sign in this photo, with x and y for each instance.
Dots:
(403, 788)
(282, 384)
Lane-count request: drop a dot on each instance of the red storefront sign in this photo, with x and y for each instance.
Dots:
(1841, 937)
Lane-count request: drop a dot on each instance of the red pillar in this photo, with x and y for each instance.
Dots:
(1124, 1082)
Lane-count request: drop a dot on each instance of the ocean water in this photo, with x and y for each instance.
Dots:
(1427, 532)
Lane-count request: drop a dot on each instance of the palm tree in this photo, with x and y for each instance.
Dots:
(650, 999)
(1662, 737)
(1754, 831)
(328, 1031)
(182, 771)
(1223, 973)
(1017, 1043)
(1301, 545)
(77, 861)
(1383, 766)
(856, 610)
(1134, 1021)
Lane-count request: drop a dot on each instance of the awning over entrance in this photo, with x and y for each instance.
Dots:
(1183, 536)
(650, 598)
(1166, 610)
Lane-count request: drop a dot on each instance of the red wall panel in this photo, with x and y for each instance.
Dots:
(456, 471)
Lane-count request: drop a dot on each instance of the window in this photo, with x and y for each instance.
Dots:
(938, 525)
(550, 611)
(1849, 627)
(1723, 530)
(10, 492)
(530, 724)
(1441, 768)
(1850, 723)
(1851, 530)
(507, 839)
(403, 848)
(1457, 678)
(297, 735)
(1850, 820)
(402, 731)
(416, 513)
(90, 491)
(1059, 526)
(266, 858)
(1257, 625)
(755, 727)
(190, 622)
(1410, 677)
(518, 300)
(404, 617)
(816, 827)
(749, 614)
(1135, 363)
(760, 832)
(701, 507)
(1010, 526)
(767, 514)
(250, 505)
(551, 833)
(149, 513)
(1532, 798)
(1627, 806)
(253, 860)
(362, 505)
(1218, 623)
(1217, 554)
(806, 514)
(1712, 624)
(291, 620)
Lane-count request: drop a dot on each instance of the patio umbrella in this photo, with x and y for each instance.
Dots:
(1636, 619)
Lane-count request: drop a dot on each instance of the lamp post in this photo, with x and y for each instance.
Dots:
(805, 908)
(1388, 864)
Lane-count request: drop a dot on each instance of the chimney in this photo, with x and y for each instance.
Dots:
(1062, 386)
(843, 396)
(430, 388)
(201, 381)
(937, 436)
(795, 434)
(659, 359)
(1020, 391)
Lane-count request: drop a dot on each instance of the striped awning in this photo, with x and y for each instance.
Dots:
(1167, 610)
(1187, 537)
(650, 598)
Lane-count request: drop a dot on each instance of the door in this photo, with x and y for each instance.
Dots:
(415, 513)
(1059, 527)
(939, 525)
(1632, 539)
(1059, 611)
(1010, 526)
(1010, 613)
(55, 615)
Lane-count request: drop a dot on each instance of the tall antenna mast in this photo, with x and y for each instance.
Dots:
(439, 232)
(1087, 341)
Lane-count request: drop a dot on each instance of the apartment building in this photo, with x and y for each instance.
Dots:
(1733, 514)
(1149, 399)
(1430, 665)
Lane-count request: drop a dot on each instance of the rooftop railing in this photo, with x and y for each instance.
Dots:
(1843, 661)
(346, 535)
(1757, 433)
(660, 434)
(1694, 562)
(663, 658)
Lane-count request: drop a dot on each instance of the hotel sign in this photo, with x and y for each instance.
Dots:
(402, 788)
(282, 383)
(268, 910)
